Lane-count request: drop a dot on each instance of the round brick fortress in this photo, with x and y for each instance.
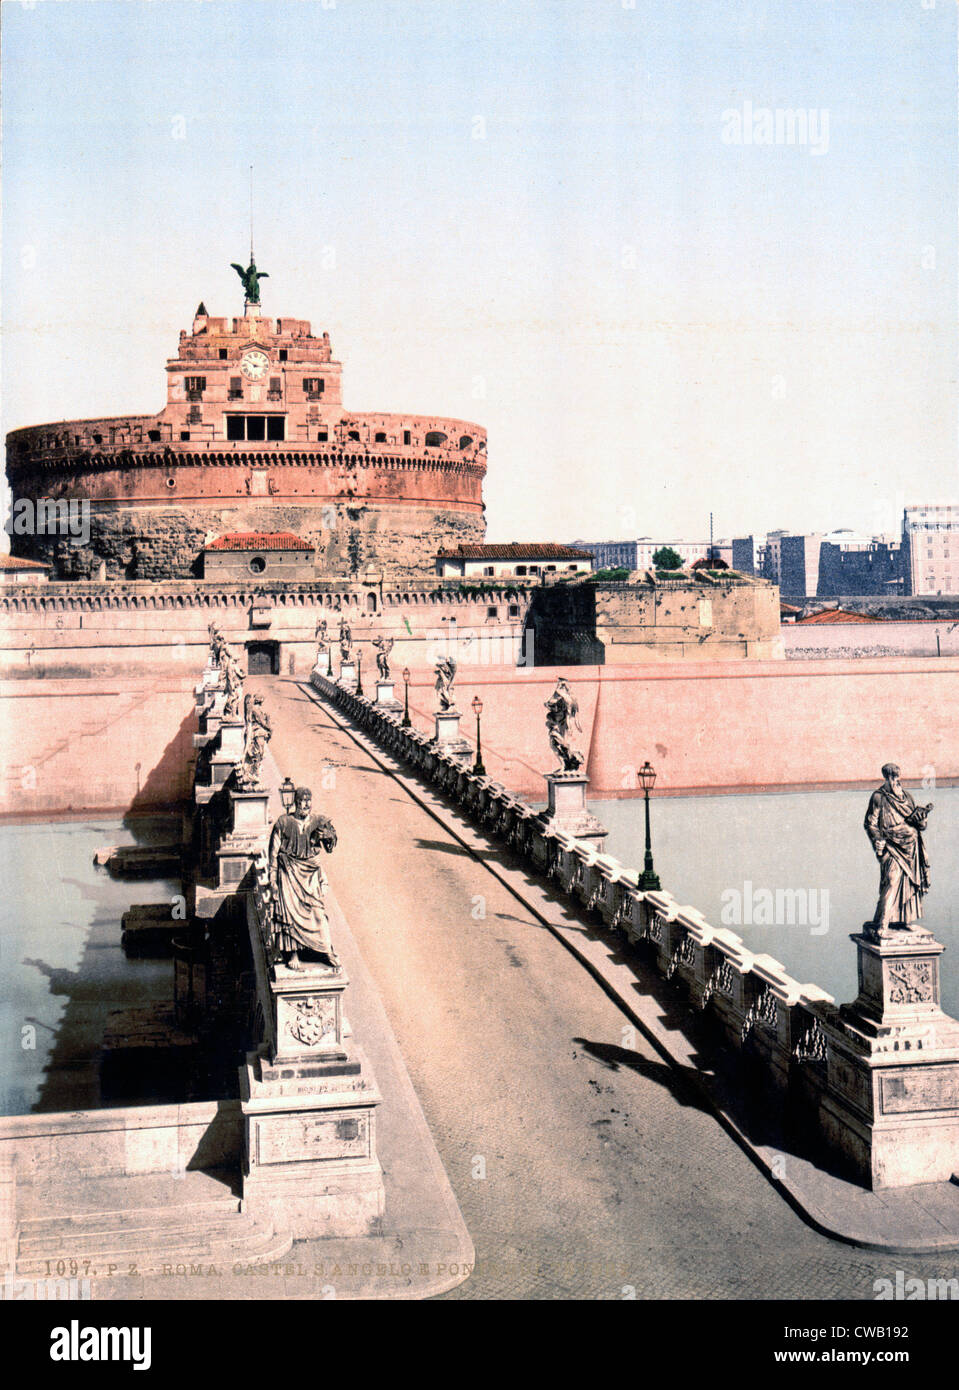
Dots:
(254, 437)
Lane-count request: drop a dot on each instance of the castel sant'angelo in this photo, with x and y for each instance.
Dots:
(254, 437)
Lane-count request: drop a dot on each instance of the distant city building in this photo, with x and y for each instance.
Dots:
(799, 564)
(611, 554)
(745, 555)
(930, 549)
(859, 566)
(638, 554)
(515, 559)
(813, 564)
(265, 555)
(771, 563)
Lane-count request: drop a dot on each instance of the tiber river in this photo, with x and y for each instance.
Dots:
(63, 970)
(707, 849)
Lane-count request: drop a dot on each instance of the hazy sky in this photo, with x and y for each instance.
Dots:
(535, 215)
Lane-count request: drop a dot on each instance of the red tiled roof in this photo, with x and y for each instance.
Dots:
(11, 562)
(515, 550)
(837, 615)
(259, 540)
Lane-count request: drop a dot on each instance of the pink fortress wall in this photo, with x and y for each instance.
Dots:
(75, 744)
(712, 726)
(705, 726)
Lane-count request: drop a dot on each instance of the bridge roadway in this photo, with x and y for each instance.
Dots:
(583, 1164)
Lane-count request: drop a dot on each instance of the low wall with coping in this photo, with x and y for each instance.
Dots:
(132, 1140)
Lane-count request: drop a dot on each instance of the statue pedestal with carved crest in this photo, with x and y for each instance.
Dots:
(309, 1105)
(892, 1099)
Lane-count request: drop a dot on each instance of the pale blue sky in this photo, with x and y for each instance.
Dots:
(662, 322)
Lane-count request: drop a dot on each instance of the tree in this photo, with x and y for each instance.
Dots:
(665, 558)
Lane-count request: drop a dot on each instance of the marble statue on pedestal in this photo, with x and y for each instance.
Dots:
(345, 639)
(383, 646)
(562, 708)
(256, 735)
(894, 824)
(234, 683)
(322, 640)
(298, 883)
(217, 646)
(445, 670)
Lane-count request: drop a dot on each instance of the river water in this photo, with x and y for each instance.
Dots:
(62, 968)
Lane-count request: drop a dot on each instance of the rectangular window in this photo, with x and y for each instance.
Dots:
(323, 436)
(195, 383)
(489, 569)
(275, 383)
(407, 437)
(282, 354)
(222, 354)
(313, 386)
(255, 427)
(492, 612)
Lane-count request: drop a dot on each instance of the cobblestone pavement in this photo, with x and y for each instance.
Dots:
(583, 1165)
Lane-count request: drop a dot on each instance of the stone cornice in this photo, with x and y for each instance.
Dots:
(86, 596)
(108, 458)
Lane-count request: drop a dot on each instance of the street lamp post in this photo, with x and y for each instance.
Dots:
(329, 662)
(478, 769)
(406, 698)
(359, 670)
(287, 794)
(648, 878)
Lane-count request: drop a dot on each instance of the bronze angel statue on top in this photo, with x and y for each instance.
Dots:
(251, 278)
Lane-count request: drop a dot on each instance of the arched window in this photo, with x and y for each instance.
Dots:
(435, 438)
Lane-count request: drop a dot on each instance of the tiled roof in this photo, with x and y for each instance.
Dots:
(836, 615)
(515, 550)
(11, 562)
(259, 540)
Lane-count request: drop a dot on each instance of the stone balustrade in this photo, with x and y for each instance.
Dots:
(794, 1030)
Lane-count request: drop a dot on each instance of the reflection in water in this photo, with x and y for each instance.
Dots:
(63, 969)
(718, 853)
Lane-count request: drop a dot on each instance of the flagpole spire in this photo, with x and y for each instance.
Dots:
(251, 214)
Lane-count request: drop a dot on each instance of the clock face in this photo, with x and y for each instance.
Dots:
(254, 365)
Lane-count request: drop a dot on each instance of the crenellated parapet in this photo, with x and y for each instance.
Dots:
(254, 436)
